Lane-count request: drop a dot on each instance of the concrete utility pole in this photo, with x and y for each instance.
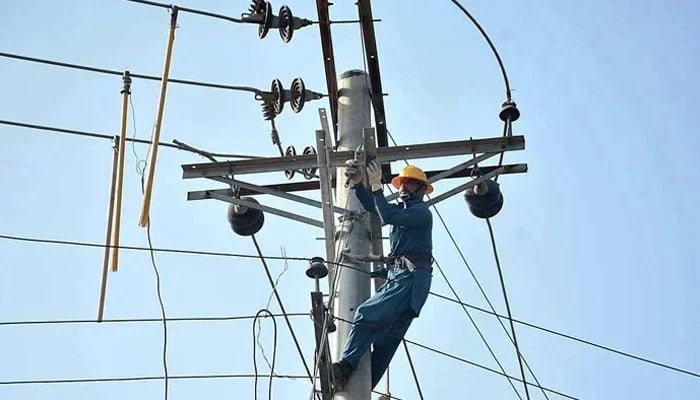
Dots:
(353, 287)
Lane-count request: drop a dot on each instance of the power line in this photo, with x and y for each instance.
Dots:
(281, 306)
(472, 363)
(488, 40)
(145, 378)
(505, 298)
(274, 353)
(574, 338)
(189, 10)
(177, 145)
(133, 75)
(141, 320)
(413, 369)
(236, 255)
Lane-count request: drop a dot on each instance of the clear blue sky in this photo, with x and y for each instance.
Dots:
(597, 240)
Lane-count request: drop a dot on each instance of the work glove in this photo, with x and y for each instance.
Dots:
(353, 173)
(374, 174)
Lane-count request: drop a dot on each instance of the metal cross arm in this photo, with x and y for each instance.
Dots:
(207, 194)
(271, 210)
(512, 169)
(338, 158)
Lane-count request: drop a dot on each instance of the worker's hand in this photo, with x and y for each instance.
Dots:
(353, 173)
(374, 174)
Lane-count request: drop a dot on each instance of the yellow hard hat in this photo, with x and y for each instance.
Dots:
(411, 172)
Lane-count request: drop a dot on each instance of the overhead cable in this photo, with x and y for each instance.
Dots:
(176, 145)
(133, 75)
(238, 255)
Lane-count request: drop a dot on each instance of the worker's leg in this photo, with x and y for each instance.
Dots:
(375, 315)
(385, 345)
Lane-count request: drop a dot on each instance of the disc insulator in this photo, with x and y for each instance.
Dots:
(286, 24)
(278, 92)
(298, 91)
(309, 172)
(264, 27)
(290, 152)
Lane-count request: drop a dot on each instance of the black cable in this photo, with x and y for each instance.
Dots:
(236, 255)
(162, 309)
(281, 306)
(133, 75)
(481, 335)
(493, 48)
(510, 315)
(144, 378)
(189, 10)
(139, 320)
(413, 369)
(111, 137)
(274, 353)
(574, 338)
(483, 292)
(472, 363)
(155, 249)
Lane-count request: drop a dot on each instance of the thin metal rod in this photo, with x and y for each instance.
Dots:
(121, 156)
(108, 238)
(413, 370)
(271, 210)
(461, 188)
(148, 189)
(273, 192)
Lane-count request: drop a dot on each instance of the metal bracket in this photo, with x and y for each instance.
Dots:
(271, 210)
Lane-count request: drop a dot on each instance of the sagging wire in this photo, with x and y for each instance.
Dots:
(151, 252)
(413, 371)
(505, 297)
(267, 306)
(256, 340)
(281, 306)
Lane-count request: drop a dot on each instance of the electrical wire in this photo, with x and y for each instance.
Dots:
(188, 10)
(281, 306)
(413, 369)
(142, 378)
(237, 255)
(139, 320)
(488, 40)
(162, 310)
(133, 75)
(510, 315)
(474, 364)
(274, 353)
(110, 137)
(267, 306)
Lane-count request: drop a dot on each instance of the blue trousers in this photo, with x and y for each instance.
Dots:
(383, 319)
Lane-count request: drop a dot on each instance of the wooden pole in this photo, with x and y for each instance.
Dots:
(108, 238)
(121, 155)
(146, 204)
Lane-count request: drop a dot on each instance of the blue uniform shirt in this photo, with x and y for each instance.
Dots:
(411, 231)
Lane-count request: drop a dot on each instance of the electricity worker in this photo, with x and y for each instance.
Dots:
(383, 319)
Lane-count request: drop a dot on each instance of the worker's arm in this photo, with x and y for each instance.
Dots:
(393, 214)
(365, 197)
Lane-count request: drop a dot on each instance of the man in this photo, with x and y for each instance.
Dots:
(383, 319)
